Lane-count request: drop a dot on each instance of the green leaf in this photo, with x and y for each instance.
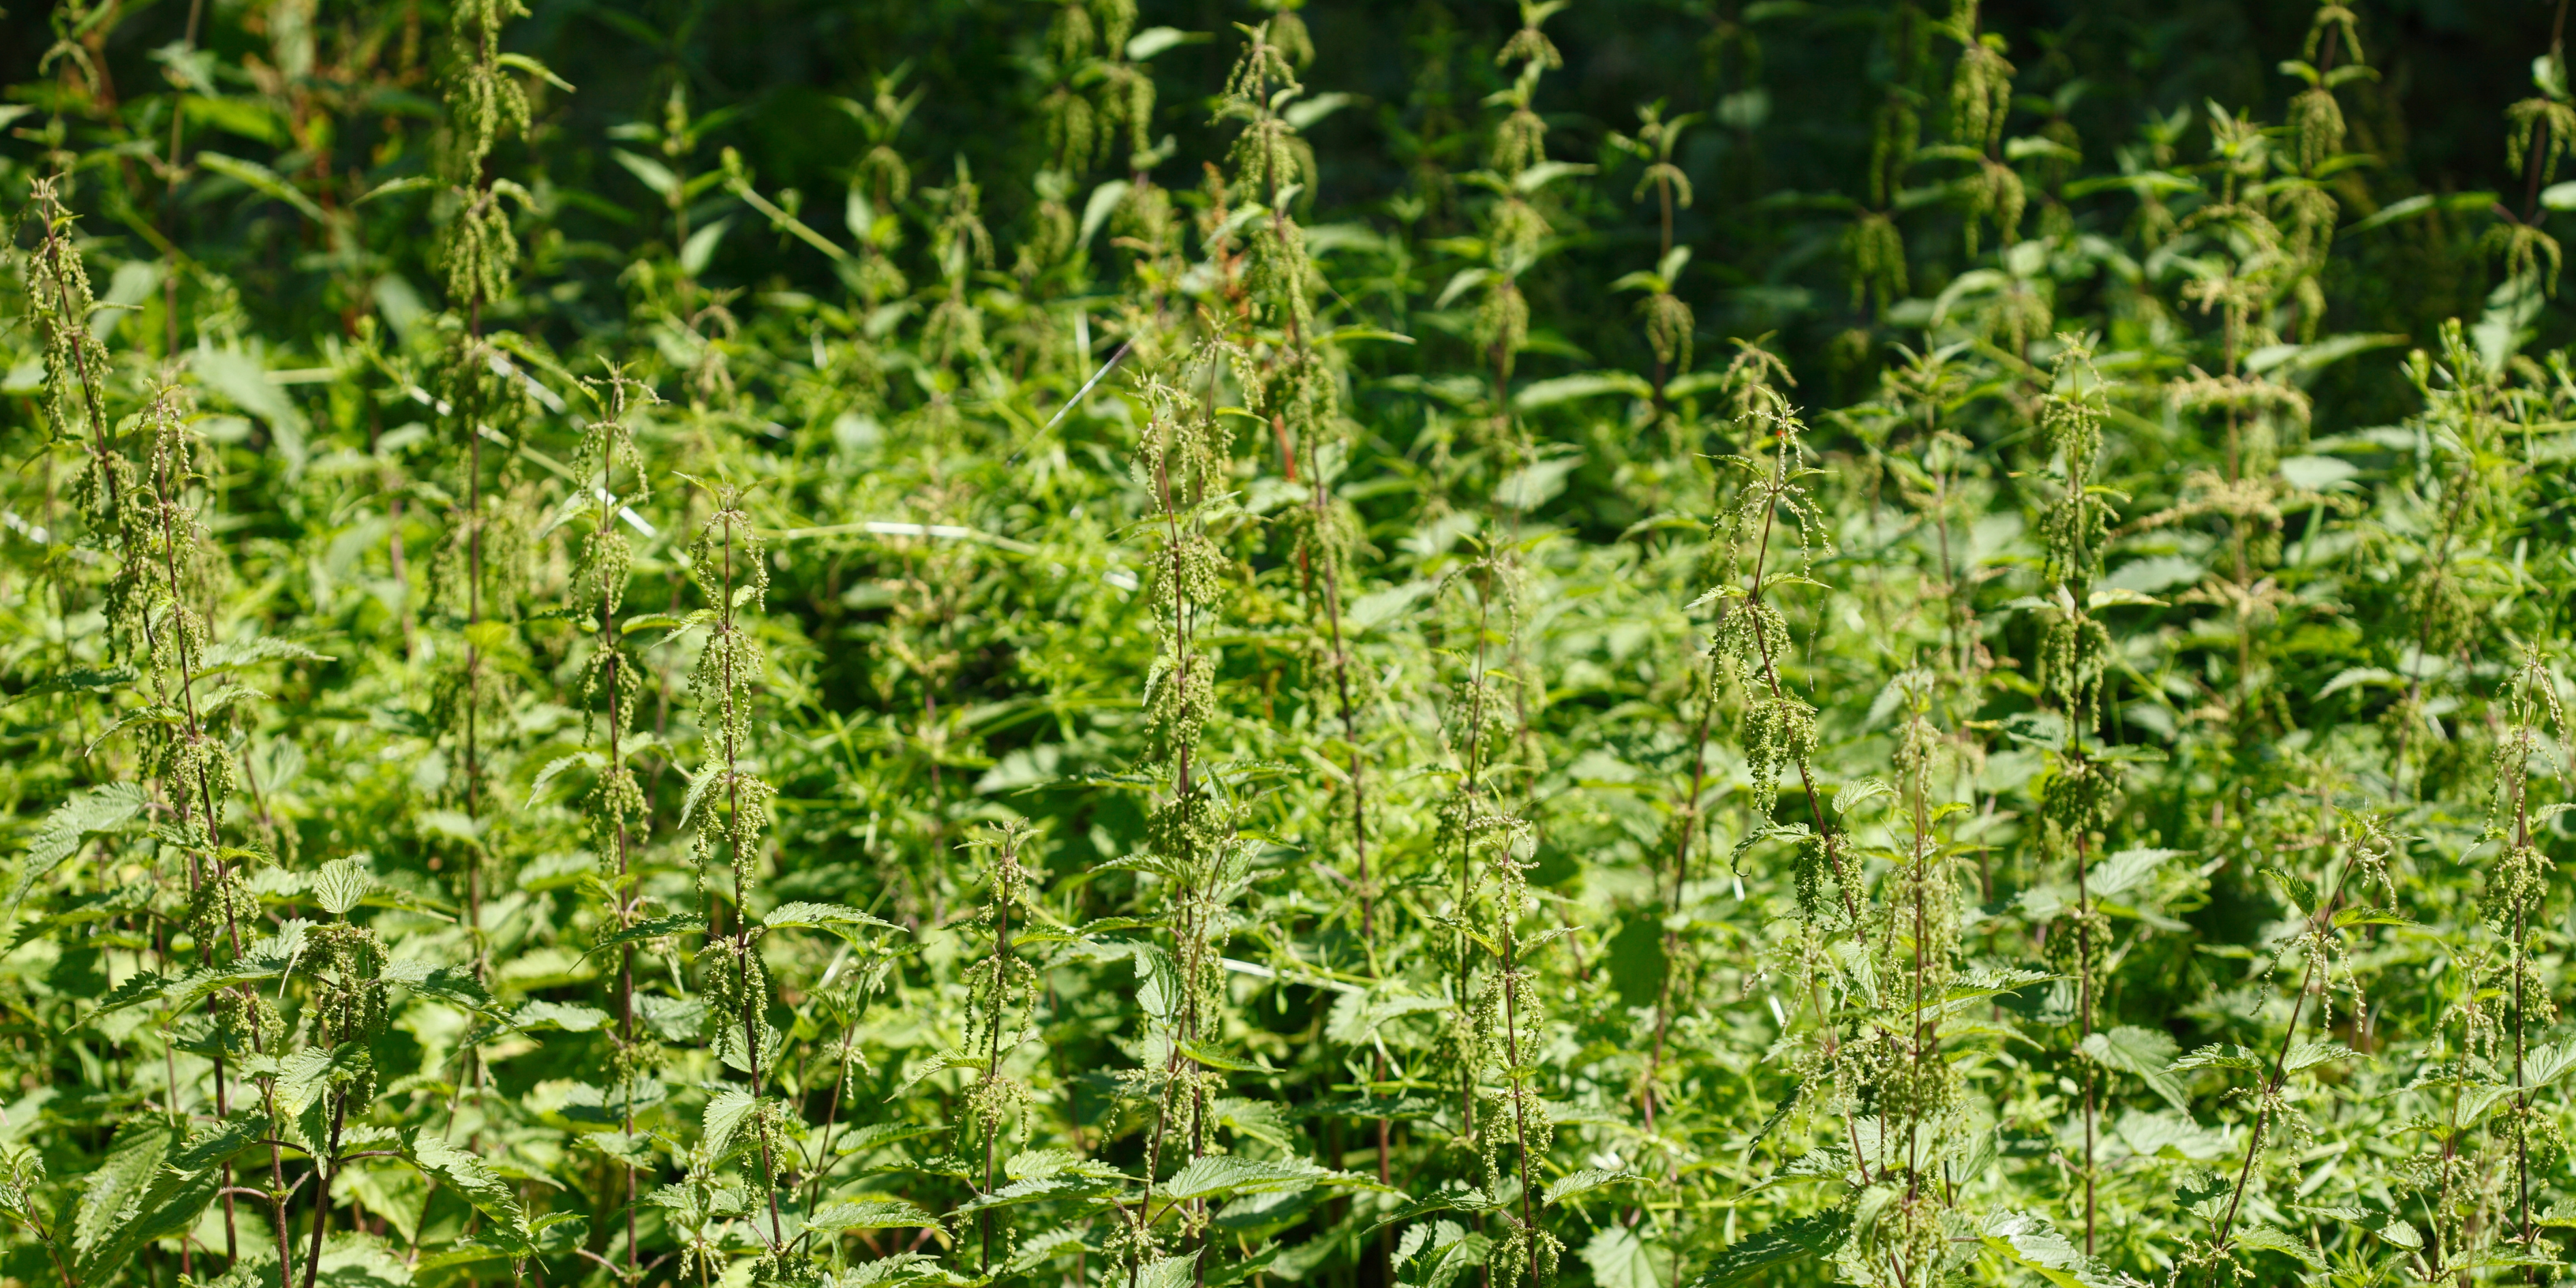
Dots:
(556, 766)
(2035, 1243)
(2146, 1053)
(1583, 1181)
(134, 990)
(727, 1111)
(168, 1208)
(77, 680)
(112, 1194)
(2402, 208)
(678, 923)
(2124, 869)
(454, 984)
(1858, 792)
(303, 1076)
(471, 1179)
(1035, 1189)
(843, 921)
(1563, 389)
(1778, 1244)
(392, 187)
(2043, 729)
(2308, 1055)
(1547, 172)
(570, 1017)
(2386, 1225)
(870, 1214)
(654, 174)
(341, 884)
(264, 181)
(700, 250)
(99, 809)
(2217, 1056)
(179, 1191)
(530, 66)
(1461, 1201)
(1176, 1271)
(1534, 485)
(235, 654)
(2547, 1063)
(1154, 40)
(2268, 1239)
(1619, 1259)
(1225, 1175)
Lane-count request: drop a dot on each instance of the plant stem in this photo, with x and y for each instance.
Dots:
(2319, 922)
(325, 1170)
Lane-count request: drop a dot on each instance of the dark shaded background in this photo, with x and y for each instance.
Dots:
(2447, 71)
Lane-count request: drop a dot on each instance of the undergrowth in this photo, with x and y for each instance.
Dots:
(1121, 723)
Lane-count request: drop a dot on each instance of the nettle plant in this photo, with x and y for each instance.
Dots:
(1118, 669)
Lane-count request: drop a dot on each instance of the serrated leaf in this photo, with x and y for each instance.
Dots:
(2219, 1056)
(77, 680)
(111, 1194)
(233, 654)
(1583, 1181)
(1225, 1175)
(471, 1178)
(678, 923)
(1035, 1189)
(652, 622)
(1859, 791)
(97, 810)
(697, 792)
(341, 884)
(170, 1206)
(134, 990)
(303, 1076)
(2308, 1055)
(1207, 1059)
(840, 920)
(2548, 1063)
(2119, 872)
(570, 1017)
(2035, 1243)
(870, 1214)
(556, 766)
(2386, 1225)
(2271, 1240)
(454, 984)
(1174, 1271)
(726, 1112)
(1777, 1244)
(2146, 1053)
(1619, 1259)
(1459, 1201)
(2042, 729)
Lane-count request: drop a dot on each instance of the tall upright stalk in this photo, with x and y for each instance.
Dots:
(2519, 886)
(148, 605)
(733, 571)
(1182, 459)
(618, 808)
(2075, 658)
(1001, 993)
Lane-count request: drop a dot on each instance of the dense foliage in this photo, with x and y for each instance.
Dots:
(1141, 645)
